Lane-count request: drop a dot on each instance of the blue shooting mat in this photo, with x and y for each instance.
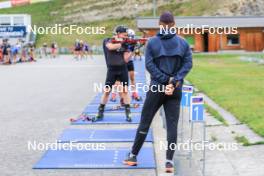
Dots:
(140, 81)
(139, 63)
(110, 158)
(100, 135)
(140, 93)
(97, 100)
(93, 108)
(98, 97)
(111, 119)
(140, 72)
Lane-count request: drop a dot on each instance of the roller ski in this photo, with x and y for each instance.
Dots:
(83, 117)
(136, 97)
(118, 107)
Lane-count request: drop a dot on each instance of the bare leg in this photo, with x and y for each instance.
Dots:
(126, 95)
(133, 86)
(105, 96)
(132, 80)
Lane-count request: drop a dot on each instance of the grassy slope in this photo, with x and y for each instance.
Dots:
(237, 86)
(188, 8)
(40, 12)
(92, 39)
(43, 15)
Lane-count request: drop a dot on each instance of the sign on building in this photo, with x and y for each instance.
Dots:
(13, 31)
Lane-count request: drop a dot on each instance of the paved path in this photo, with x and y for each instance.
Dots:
(244, 161)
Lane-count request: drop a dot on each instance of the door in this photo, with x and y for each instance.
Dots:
(254, 41)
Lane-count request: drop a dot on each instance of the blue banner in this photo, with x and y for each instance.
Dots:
(13, 31)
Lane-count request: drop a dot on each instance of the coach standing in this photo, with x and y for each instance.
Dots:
(168, 60)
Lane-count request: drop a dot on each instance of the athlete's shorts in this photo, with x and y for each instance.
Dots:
(114, 75)
(5, 53)
(14, 51)
(77, 49)
(53, 50)
(130, 66)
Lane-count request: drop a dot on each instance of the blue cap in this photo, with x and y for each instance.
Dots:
(167, 17)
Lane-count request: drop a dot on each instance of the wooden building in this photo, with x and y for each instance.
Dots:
(213, 34)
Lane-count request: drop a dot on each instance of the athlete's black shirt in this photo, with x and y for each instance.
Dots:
(114, 59)
(5, 48)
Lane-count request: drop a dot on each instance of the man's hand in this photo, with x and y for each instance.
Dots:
(169, 89)
(177, 84)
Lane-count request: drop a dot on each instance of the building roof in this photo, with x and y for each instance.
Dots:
(11, 15)
(199, 21)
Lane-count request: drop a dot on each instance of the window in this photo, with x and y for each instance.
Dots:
(19, 21)
(4, 20)
(233, 40)
(189, 39)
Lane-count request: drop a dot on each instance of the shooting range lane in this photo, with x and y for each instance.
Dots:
(110, 118)
(109, 157)
(97, 99)
(100, 135)
(109, 108)
(94, 159)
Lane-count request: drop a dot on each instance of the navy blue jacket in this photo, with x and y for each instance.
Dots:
(167, 55)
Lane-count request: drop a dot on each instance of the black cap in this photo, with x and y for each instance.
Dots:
(121, 29)
(167, 17)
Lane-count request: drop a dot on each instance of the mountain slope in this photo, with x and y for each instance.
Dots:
(110, 13)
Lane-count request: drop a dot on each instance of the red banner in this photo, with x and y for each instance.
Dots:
(19, 2)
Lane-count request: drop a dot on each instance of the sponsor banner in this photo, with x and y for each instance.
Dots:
(19, 2)
(12, 31)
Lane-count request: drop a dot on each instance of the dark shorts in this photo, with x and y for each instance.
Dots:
(114, 75)
(130, 66)
(5, 53)
(77, 49)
